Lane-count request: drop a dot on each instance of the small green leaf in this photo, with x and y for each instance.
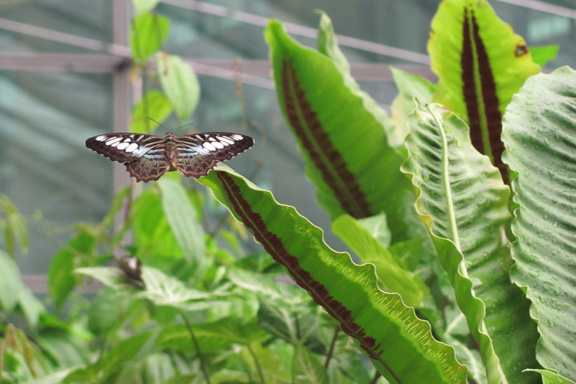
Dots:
(542, 55)
(179, 83)
(124, 351)
(142, 6)
(154, 105)
(182, 218)
(15, 227)
(152, 233)
(392, 274)
(409, 86)
(551, 377)
(31, 306)
(306, 367)
(103, 313)
(10, 282)
(164, 290)
(61, 279)
(148, 33)
(328, 45)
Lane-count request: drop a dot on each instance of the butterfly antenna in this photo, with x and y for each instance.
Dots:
(184, 126)
(157, 122)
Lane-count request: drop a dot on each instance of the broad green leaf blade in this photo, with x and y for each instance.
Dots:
(480, 64)
(540, 137)
(182, 218)
(61, 279)
(552, 377)
(393, 276)
(180, 84)
(399, 344)
(148, 33)
(155, 105)
(464, 202)
(341, 132)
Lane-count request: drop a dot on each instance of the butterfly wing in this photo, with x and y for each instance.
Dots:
(197, 154)
(143, 155)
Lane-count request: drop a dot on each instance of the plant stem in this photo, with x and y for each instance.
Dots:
(197, 347)
(258, 368)
(376, 377)
(332, 346)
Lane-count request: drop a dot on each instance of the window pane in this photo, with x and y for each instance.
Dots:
(44, 166)
(82, 18)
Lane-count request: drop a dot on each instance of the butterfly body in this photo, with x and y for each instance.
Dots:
(148, 157)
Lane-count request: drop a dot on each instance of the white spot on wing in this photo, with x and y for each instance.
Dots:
(114, 141)
(123, 145)
(237, 137)
(132, 147)
(101, 138)
(209, 146)
(218, 144)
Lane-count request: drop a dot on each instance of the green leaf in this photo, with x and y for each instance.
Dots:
(152, 233)
(64, 348)
(103, 314)
(111, 277)
(148, 33)
(155, 105)
(164, 290)
(124, 351)
(307, 369)
(399, 344)
(341, 133)
(142, 6)
(31, 306)
(182, 218)
(392, 273)
(541, 152)
(61, 279)
(551, 377)
(10, 282)
(15, 227)
(328, 45)
(480, 64)
(464, 202)
(409, 87)
(180, 84)
(542, 55)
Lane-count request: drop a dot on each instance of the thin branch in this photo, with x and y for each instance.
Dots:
(197, 347)
(332, 346)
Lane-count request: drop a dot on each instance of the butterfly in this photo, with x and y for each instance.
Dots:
(147, 157)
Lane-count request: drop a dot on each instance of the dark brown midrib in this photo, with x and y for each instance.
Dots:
(318, 144)
(490, 99)
(276, 248)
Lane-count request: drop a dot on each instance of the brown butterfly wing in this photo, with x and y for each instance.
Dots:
(143, 155)
(197, 154)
